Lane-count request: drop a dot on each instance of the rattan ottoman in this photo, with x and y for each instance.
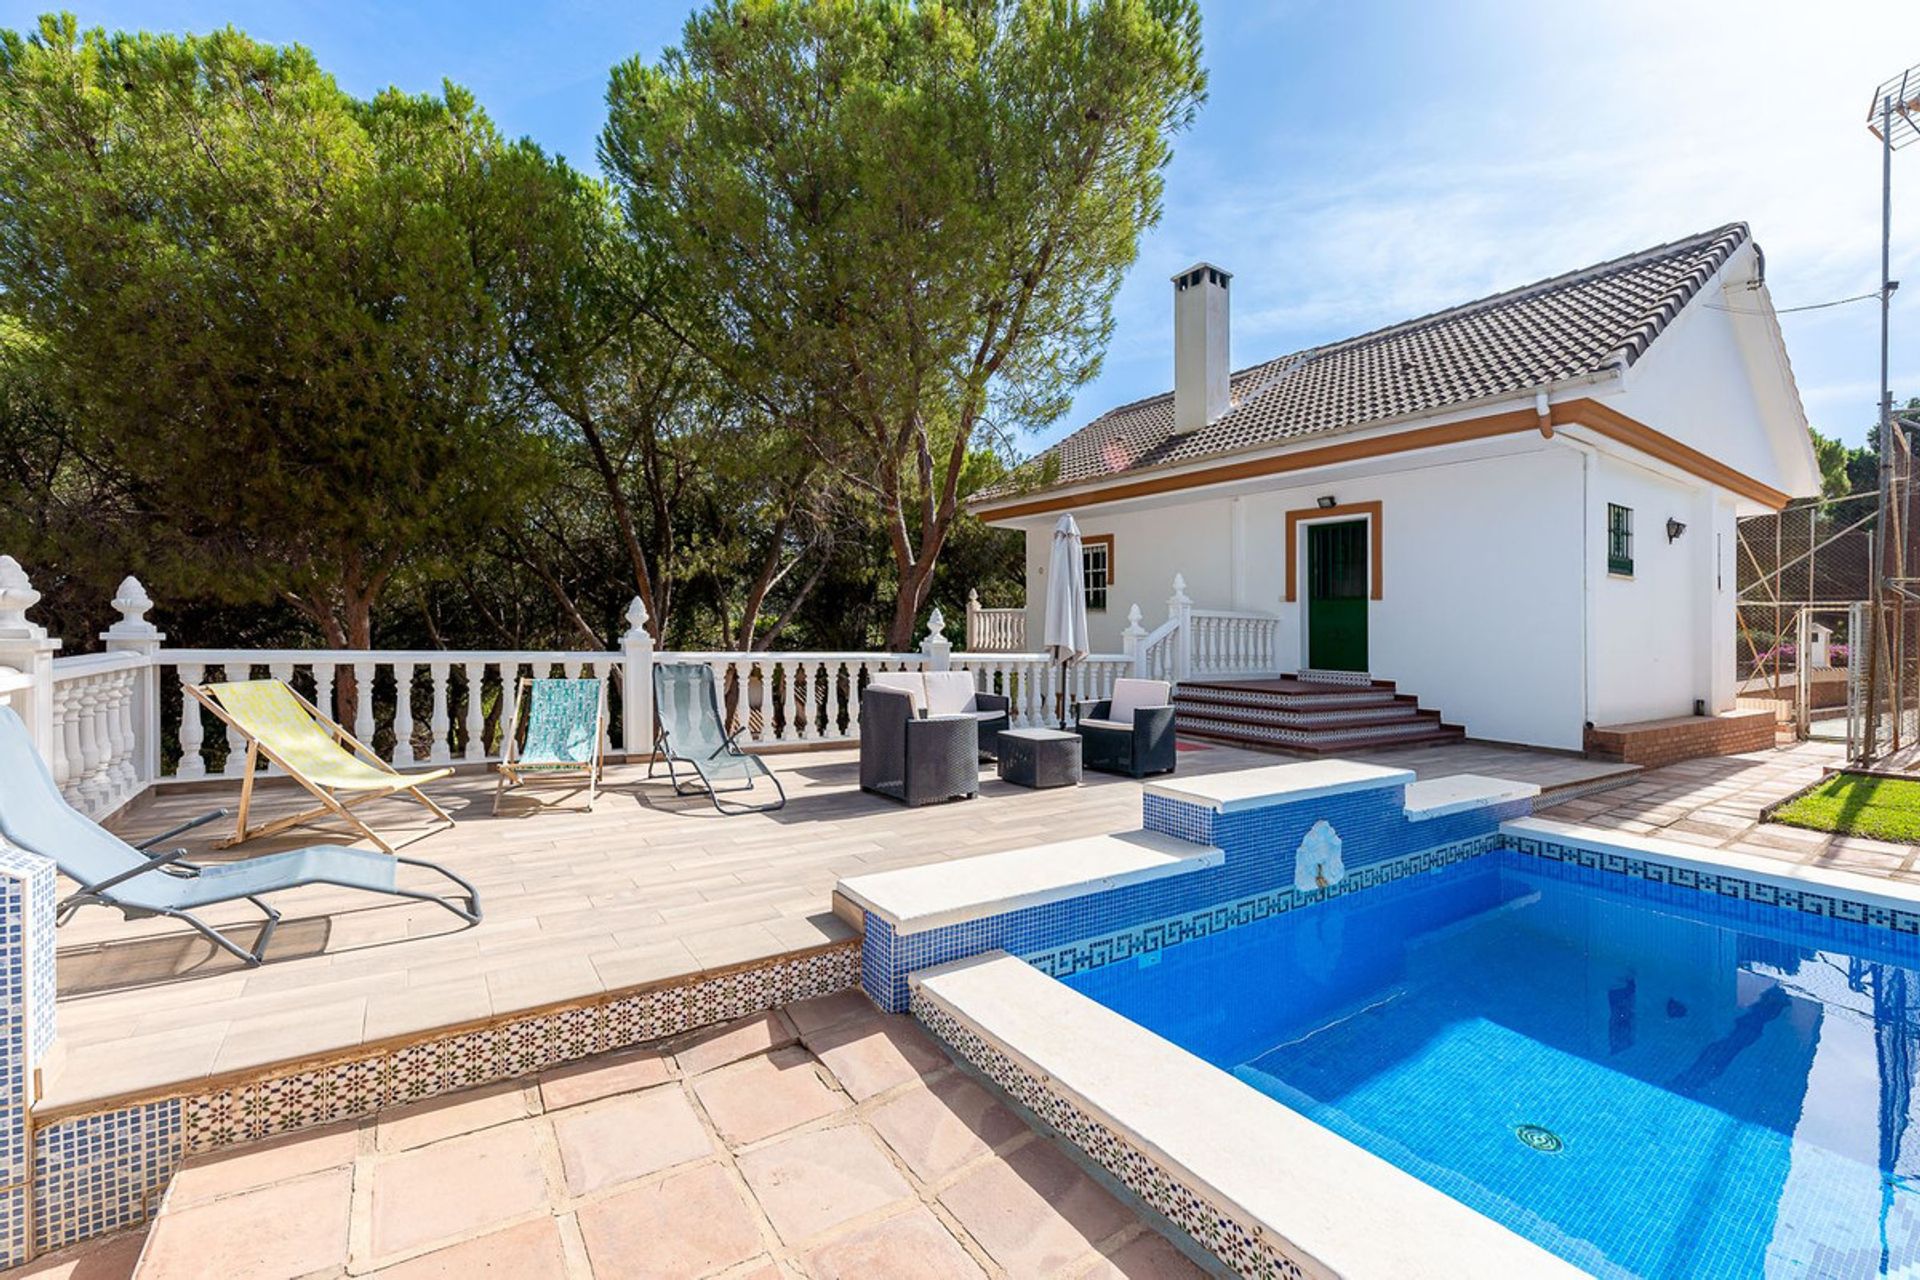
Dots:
(1039, 757)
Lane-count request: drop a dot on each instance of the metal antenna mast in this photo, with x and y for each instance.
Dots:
(1890, 117)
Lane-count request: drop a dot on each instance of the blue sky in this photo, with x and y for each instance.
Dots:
(1357, 163)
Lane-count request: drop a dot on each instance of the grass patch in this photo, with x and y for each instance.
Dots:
(1853, 804)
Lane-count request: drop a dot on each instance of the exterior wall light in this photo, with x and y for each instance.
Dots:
(1324, 503)
(1674, 529)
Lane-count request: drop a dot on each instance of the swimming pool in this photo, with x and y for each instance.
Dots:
(1644, 1081)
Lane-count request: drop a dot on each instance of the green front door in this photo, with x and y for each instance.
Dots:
(1337, 596)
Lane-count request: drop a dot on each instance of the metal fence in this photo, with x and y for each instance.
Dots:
(1801, 571)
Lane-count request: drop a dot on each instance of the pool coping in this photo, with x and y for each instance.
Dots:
(1197, 1143)
(1239, 790)
(1891, 895)
(934, 895)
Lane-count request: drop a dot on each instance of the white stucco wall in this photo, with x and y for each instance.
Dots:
(1663, 637)
(1481, 612)
(1715, 381)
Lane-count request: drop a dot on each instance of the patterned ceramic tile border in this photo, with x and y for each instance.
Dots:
(1127, 944)
(1216, 1226)
(27, 1020)
(103, 1170)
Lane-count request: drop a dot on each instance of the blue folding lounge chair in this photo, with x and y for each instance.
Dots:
(140, 882)
(688, 730)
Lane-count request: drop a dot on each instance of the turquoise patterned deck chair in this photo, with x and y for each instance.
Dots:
(689, 730)
(140, 881)
(566, 724)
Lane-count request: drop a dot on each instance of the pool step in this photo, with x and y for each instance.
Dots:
(1290, 713)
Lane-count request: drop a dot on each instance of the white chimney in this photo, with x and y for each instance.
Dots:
(1200, 384)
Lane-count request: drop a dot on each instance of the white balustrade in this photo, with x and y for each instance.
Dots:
(994, 630)
(95, 760)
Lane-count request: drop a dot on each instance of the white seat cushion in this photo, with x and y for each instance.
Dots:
(911, 683)
(950, 693)
(1126, 727)
(1130, 696)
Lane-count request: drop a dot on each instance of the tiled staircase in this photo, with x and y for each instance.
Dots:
(1292, 713)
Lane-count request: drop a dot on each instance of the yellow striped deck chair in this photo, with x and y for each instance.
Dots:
(340, 771)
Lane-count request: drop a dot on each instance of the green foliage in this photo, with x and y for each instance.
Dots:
(279, 315)
(1859, 805)
(897, 228)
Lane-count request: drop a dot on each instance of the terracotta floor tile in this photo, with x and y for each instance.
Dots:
(628, 1137)
(530, 1251)
(603, 1077)
(823, 1011)
(1148, 1256)
(717, 1046)
(812, 1182)
(450, 1188)
(275, 1160)
(687, 1224)
(938, 1129)
(288, 1229)
(912, 1246)
(1035, 1211)
(868, 1056)
(769, 1095)
(447, 1117)
(107, 1258)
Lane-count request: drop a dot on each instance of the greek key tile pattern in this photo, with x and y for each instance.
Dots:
(1217, 1226)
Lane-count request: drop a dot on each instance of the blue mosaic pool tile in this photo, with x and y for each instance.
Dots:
(103, 1172)
(1258, 867)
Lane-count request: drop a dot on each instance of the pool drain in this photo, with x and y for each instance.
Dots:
(1540, 1138)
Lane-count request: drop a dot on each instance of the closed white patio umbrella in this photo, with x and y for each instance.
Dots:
(1065, 637)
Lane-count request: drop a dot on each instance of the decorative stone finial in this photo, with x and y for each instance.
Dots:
(936, 623)
(637, 615)
(973, 596)
(1179, 595)
(16, 597)
(1133, 621)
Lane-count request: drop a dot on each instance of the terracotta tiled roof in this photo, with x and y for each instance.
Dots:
(1583, 322)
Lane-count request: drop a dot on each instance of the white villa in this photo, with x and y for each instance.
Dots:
(1519, 511)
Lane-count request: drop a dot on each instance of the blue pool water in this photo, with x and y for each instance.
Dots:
(1646, 1081)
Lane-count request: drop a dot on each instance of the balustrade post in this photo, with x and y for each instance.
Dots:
(1180, 613)
(973, 618)
(1130, 641)
(134, 634)
(26, 647)
(937, 648)
(636, 682)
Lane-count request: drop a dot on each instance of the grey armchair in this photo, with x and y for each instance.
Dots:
(913, 759)
(1132, 732)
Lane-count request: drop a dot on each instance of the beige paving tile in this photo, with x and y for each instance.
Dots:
(628, 1137)
(602, 1077)
(910, 1246)
(464, 1112)
(812, 1182)
(275, 1160)
(1035, 1211)
(809, 1016)
(940, 1128)
(530, 1251)
(870, 1055)
(717, 1046)
(454, 1188)
(272, 1233)
(764, 1096)
(692, 1223)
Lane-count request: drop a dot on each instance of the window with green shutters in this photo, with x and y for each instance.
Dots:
(1619, 539)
